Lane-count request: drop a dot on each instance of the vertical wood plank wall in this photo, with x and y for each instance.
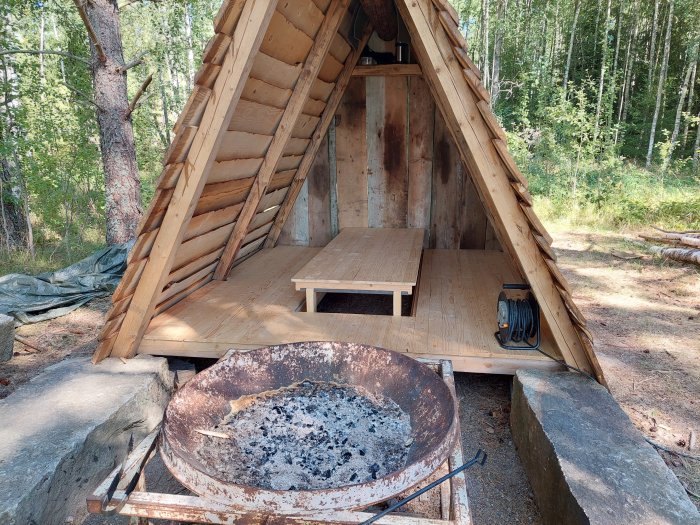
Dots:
(396, 165)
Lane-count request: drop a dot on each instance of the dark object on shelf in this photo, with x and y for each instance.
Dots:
(402, 53)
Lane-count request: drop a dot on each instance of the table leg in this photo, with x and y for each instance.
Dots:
(310, 299)
(397, 304)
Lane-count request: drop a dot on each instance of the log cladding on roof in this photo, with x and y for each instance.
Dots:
(274, 73)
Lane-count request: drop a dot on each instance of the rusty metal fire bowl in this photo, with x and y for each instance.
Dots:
(302, 428)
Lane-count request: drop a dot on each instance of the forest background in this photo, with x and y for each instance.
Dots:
(600, 100)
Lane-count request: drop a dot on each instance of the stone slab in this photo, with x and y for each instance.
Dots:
(586, 461)
(66, 429)
(7, 337)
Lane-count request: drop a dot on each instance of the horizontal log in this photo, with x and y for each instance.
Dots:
(686, 255)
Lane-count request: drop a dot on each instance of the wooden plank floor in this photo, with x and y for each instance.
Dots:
(454, 314)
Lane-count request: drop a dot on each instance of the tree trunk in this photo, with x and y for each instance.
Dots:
(679, 110)
(122, 181)
(689, 107)
(696, 147)
(652, 48)
(485, 42)
(626, 74)
(497, 49)
(603, 67)
(662, 81)
(190, 49)
(571, 45)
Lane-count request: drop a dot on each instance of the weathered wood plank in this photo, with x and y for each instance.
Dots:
(318, 207)
(351, 156)
(421, 118)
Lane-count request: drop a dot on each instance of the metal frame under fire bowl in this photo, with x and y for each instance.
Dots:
(124, 492)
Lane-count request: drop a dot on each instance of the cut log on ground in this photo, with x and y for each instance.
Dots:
(678, 254)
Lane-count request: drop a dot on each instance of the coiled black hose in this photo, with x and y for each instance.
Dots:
(522, 322)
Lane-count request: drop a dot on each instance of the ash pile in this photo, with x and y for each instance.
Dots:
(311, 435)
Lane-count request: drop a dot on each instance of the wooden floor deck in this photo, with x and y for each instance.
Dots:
(454, 313)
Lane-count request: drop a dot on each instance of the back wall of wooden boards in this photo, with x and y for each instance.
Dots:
(389, 161)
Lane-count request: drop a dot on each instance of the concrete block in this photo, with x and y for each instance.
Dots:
(586, 461)
(7, 337)
(67, 428)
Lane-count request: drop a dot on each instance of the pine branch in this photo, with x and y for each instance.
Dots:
(44, 52)
(139, 94)
(137, 60)
(84, 96)
(91, 32)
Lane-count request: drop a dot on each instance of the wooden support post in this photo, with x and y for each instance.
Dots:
(397, 304)
(319, 134)
(443, 72)
(227, 90)
(295, 106)
(311, 300)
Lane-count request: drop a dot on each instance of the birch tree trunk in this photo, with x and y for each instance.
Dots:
(577, 10)
(122, 182)
(689, 107)
(652, 50)
(679, 108)
(497, 49)
(485, 43)
(626, 74)
(696, 146)
(603, 68)
(190, 50)
(662, 81)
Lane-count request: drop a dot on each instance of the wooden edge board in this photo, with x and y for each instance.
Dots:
(445, 5)
(191, 114)
(476, 86)
(574, 311)
(450, 27)
(510, 165)
(491, 121)
(558, 276)
(228, 16)
(535, 223)
(466, 62)
(544, 246)
(387, 70)
(216, 49)
(522, 193)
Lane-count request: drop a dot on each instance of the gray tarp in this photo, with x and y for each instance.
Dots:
(53, 294)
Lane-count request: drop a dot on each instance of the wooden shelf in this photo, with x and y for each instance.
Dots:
(388, 70)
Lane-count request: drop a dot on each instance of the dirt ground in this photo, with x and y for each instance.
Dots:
(643, 312)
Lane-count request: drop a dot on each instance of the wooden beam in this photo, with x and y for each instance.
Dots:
(388, 70)
(458, 105)
(226, 92)
(319, 134)
(294, 108)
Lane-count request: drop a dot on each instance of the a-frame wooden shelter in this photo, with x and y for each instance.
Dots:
(280, 99)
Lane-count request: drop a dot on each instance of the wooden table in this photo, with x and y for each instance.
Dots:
(374, 260)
